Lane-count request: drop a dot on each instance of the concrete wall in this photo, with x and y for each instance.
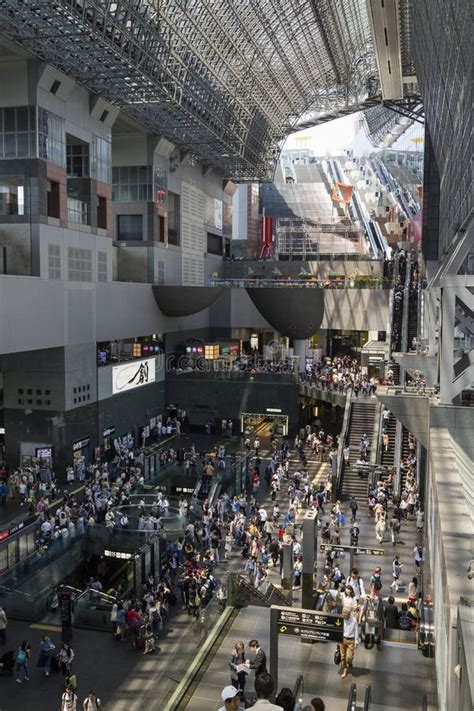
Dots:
(213, 396)
(346, 309)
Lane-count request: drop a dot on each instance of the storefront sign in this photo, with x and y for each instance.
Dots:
(118, 554)
(44, 452)
(108, 431)
(133, 375)
(81, 444)
(273, 409)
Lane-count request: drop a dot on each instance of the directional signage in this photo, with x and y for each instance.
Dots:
(308, 624)
(356, 550)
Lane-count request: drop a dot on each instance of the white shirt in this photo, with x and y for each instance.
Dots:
(351, 628)
(266, 705)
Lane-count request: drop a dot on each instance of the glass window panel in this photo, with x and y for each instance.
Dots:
(133, 174)
(124, 175)
(133, 192)
(9, 118)
(10, 145)
(22, 118)
(22, 145)
(143, 174)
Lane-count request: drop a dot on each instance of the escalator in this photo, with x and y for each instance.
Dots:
(241, 593)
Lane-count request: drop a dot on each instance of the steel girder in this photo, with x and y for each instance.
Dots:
(225, 81)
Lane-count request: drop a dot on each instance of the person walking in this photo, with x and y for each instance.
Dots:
(231, 698)
(66, 657)
(3, 626)
(376, 582)
(21, 663)
(264, 688)
(91, 702)
(380, 527)
(396, 573)
(349, 643)
(394, 529)
(353, 507)
(419, 557)
(46, 652)
(69, 699)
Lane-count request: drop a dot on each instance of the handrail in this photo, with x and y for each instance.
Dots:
(298, 689)
(406, 305)
(397, 479)
(352, 700)
(342, 440)
(424, 703)
(367, 697)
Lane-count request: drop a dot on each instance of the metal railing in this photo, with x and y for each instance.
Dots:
(342, 439)
(347, 282)
(367, 698)
(298, 691)
(352, 699)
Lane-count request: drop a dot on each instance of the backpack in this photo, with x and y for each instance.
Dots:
(21, 658)
(404, 621)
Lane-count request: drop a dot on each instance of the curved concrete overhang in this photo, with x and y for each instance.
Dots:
(296, 313)
(176, 301)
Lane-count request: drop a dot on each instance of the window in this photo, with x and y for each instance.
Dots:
(18, 132)
(101, 267)
(54, 261)
(12, 197)
(173, 219)
(55, 86)
(103, 116)
(129, 228)
(160, 277)
(101, 167)
(79, 264)
(132, 184)
(214, 244)
(101, 212)
(77, 211)
(77, 158)
(51, 137)
(53, 199)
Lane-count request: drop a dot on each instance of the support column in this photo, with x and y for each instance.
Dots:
(309, 557)
(287, 571)
(299, 349)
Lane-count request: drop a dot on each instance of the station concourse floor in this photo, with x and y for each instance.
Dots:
(124, 679)
(398, 676)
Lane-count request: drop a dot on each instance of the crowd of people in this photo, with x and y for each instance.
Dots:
(340, 374)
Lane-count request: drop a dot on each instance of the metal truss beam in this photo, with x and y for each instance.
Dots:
(225, 81)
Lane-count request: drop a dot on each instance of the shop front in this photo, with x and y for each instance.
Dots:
(81, 456)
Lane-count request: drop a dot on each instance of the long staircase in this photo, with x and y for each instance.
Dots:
(362, 419)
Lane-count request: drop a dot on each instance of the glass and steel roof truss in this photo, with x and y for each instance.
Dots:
(223, 80)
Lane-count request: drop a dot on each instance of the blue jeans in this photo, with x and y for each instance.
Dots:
(22, 670)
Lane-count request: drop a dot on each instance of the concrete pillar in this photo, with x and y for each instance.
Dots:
(309, 556)
(299, 349)
(287, 571)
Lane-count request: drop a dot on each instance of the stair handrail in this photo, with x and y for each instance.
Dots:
(397, 479)
(406, 308)
(367, 697)
(342, 441)
(352, 700)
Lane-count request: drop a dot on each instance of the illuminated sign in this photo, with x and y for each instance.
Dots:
(108, 431)
(118, 554)
(133, 375)
(273, 409)
(43, 452)
(80, 444)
